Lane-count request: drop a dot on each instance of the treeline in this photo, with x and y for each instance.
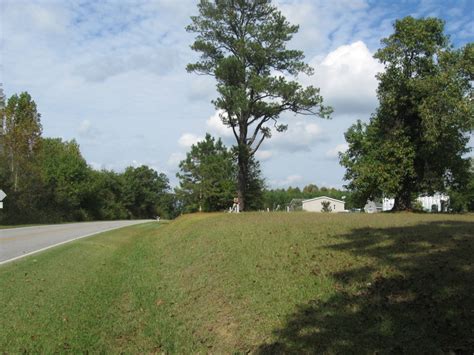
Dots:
(47, 179)
(208, 182)
(279, 199)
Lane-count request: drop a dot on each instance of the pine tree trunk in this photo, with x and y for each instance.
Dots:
(242, 162)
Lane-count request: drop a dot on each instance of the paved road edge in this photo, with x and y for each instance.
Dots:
(67, 241)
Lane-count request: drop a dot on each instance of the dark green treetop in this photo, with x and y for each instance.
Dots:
(242, 44)
(207, 177)
(416, 141)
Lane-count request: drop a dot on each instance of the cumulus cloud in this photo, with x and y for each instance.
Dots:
(334, 152)
(121, 65)
(87, 131)
(175, 158)
(158, 61)
(215, 126)
(291, 180)
(188, 139)
(263, 155)
(301, 135)
(201, 88)
(347, 80)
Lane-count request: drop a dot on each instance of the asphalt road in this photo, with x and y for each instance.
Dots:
(18, 242)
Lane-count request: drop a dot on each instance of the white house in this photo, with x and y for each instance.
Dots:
(439, 200)
(316, 204)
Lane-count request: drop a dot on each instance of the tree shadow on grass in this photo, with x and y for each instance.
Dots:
(416, 297)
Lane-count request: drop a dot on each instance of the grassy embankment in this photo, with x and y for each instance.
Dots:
(265, 283)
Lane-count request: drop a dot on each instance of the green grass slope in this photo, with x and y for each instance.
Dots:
(254, 282)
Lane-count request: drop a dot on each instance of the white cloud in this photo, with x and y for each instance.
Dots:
(263, 155)
(334, 152)
(87, 131)
(201, 88)
(215, 126)
(121, 65)
(347, 80)
(301, 135)
(291, 180)
(188, 139)
(175, 158)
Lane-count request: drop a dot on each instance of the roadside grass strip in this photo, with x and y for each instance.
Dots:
(264, 283)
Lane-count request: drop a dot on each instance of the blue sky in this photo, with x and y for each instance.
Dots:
(111, 74)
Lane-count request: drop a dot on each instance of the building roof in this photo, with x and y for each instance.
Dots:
(323, 198)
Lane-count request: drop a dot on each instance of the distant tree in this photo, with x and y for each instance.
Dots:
(243, 45)
(461, 199)
(415, 141)
(2, 110)
(207, 177)
(145, 192)
(105, 199)
(282, 197)
(20, 138)
(66, 177)
(310, 189)
(255, 185)
(326, 206)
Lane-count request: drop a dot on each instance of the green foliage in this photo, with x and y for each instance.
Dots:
(326, 206)
(280, 197)
(416, 140)
(20, 139)
(255, 186)
(105, 196)
(207, 177)
(47, 180)
(462, 198)
(19, 145)
(243, 46)
(66, 176)
(145, 192)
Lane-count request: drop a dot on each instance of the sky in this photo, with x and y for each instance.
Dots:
(111, 74)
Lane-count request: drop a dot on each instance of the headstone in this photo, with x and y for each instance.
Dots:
(2, 196)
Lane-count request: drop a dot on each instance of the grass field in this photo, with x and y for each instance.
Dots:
(253, 282)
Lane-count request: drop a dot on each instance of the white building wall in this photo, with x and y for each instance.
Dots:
(317, 206)
(426, 202)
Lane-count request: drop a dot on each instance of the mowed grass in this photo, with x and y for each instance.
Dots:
(255, 282)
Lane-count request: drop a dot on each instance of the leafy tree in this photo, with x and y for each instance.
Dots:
(66, 176)
(2, 109)
(462, 199)
(415, 141)
(145, 192)
(105, 196)
(326, 206)
(20, 138)
(243, 46)
(310, 189)
(282, 197)
(207, 177)
(255, 186)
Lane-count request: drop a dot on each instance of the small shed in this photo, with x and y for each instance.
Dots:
(316, 204)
